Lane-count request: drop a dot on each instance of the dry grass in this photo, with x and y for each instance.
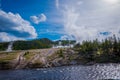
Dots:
(28, 55)
(7, 57)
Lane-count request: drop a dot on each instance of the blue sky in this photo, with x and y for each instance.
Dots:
(59, 19)
(26, 8)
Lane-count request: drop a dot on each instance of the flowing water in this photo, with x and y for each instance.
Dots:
(93, 72)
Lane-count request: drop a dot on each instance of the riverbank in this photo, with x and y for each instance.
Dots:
(44, 58)
(25, 58)
(39, 58)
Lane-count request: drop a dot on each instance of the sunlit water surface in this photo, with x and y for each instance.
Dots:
(93, 72)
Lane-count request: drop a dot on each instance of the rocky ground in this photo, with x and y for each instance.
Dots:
(39, 58)
(26, 58)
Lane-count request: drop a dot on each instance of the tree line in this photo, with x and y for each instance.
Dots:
(107, 50)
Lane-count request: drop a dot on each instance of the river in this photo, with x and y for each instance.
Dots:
(92, 72)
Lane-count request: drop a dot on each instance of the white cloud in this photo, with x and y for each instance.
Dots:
(64, 37)
(87, 20)
(111, 1)
(67, 37)
(7, 37)
(14, 26)
(37, 19)
(57, 4)
(79, 2)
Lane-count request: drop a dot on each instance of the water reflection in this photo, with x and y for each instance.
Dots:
(95, 72)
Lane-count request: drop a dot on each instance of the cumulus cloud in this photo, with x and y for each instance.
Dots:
(91, 19)
(67, 37)
(37, 19)
(14, 27)
(7, 37)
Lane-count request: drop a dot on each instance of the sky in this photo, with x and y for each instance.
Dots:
(59, 19)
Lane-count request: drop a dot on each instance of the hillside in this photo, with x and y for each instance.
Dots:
(34, 44)
(25, 58)
(3, 46)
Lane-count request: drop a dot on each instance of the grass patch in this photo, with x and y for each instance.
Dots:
(52, 57)
(57, 54)
(28, 55)
(36, 64)
(7, 57)
(60, 53)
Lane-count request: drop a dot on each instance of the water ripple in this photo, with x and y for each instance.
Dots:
(94, 72)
